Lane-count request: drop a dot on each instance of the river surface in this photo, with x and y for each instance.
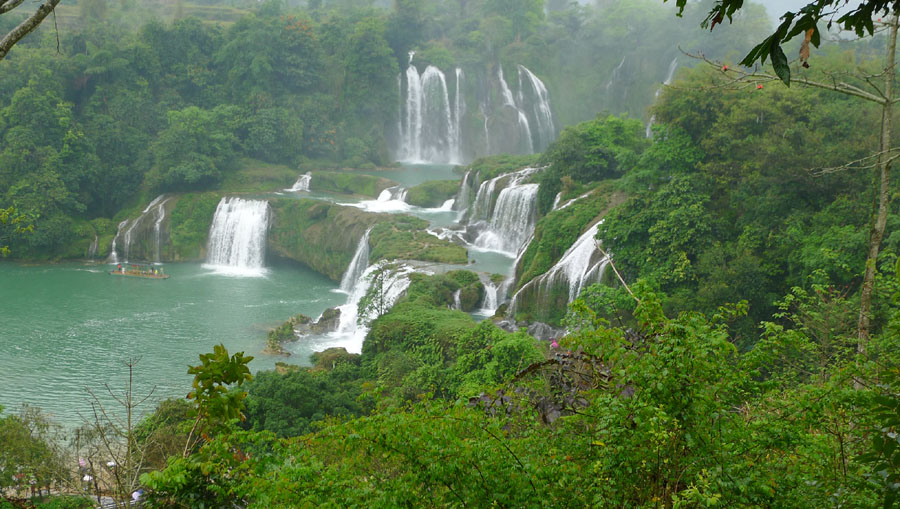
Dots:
(69, 327)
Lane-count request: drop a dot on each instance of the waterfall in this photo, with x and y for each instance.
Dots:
(487, 134)
(507, 223)
(614, 76)
(456, 302)
(546, 131)
(237, 236)
(412, 147)
(157, 227)
(670, 75)
(95, 245)
(459, 106)
(582, 264)
(431, 132)
(393, 280)
(512, 221)
(464, 196)
(358, 264)
(508, 100)
(490, 303)
(395, 193)
(141, 236)
(113, 255)
(129, 233)
(302, 183)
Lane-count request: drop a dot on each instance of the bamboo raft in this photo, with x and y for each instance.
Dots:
(139, 271)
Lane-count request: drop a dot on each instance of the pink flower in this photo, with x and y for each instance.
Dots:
(554, 344)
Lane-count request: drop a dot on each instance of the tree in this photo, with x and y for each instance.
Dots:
(877, 88)
(26, 26)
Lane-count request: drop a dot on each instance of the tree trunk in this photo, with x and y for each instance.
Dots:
(884, 168)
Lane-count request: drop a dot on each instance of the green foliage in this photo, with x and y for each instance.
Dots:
(189, 224)
(405, 238)
(304, 230)
(31, 450)
(493, 166)
(349, 183)
(433, 193)
(288, 404)
(591, 151)
(216, 404)
(557, 231)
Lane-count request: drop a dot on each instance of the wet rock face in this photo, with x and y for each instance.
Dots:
(328, 322)
(544, 332)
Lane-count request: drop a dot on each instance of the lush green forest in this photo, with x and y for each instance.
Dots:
(716, 362)
(123, 111)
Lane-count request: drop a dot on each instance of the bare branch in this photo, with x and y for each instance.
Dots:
(26, 26)
(8, 5)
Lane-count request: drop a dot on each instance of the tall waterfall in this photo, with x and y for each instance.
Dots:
(670, 75)
(141, 237)
(546, 131)
(237, 237)
(302, 183)
(508, 100)
(357, 265)
(431, 131)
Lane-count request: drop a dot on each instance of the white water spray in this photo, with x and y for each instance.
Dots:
(237, 237)
(357, 265)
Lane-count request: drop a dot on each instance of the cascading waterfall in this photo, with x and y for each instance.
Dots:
(302, 183)
(456, 301)
(237, 236)
(670, 75)
(358, 264)
(431, 133)
(512, 221)
(543, 115)
(392, 281)
(506, 223)
(582, 264)
(509, 100)
(95, 245)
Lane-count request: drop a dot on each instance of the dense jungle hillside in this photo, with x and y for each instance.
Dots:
(535, 255)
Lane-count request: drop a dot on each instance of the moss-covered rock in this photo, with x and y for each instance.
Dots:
(324, 236)
(433, 193)
(349, 183)
(405, 238)
(332, 357)
(558, 230)
(252, 175)
(493, 166)
(320, 235)
(189, 221)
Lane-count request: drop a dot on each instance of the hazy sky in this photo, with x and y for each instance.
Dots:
(777, 7)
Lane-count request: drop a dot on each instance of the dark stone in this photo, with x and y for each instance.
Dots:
(328, 322)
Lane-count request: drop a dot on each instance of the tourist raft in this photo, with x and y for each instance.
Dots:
(144, 271)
